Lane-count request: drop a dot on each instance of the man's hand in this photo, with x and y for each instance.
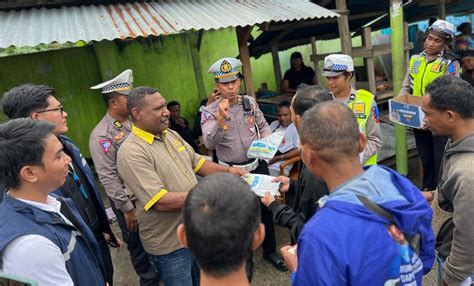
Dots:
(284, 183)
(237, 171)
(429, 196)
(290, 255)
(215, 95)
(224, 107)
(118, 244)
(131, 219)
(267, 199)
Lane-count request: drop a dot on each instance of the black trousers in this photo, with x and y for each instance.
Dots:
(107, 258)
(143, 267)
(431, 149)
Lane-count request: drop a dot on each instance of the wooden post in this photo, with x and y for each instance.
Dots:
(441, 9)
(194, 39)
(315, 62)
(369, 62)
(243, 34)
(343, 26)
(396, 24)
(407, 51)
(276, 68)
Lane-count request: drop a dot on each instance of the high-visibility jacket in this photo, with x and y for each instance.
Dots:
(361, 105)
(423, 72)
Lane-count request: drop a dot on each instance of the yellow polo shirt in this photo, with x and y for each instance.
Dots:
(151, 166)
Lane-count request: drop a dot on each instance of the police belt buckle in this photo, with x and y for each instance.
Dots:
(249, 167)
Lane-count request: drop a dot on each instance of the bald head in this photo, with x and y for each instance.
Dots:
(331, 130)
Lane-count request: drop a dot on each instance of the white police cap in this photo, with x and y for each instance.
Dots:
(443, 29)
(123, 83)
(337, 64)
(225, 69)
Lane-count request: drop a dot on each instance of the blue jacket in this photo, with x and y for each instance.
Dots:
(79, 160)
(85, 261)
(344, 243)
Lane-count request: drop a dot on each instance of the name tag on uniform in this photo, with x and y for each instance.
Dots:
(414, 71)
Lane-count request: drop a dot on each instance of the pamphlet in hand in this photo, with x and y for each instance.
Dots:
(267, 147)
(260, 184)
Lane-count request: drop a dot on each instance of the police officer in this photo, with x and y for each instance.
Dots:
(434, 61)
(104, 143)
(229, 125)
(338, 70)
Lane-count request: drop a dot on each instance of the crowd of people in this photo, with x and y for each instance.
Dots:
(187, 220)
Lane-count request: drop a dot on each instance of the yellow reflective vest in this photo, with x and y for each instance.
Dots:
(422, 72)
(361, 105)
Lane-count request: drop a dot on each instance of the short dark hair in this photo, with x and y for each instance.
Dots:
(296, 55)
(107, 97)
(136, 96)
(172, 103)
(25, 99)
(331, 129)
(21, 144)
(452, 93)
(221, 215)
(309, 95)
(284, 103)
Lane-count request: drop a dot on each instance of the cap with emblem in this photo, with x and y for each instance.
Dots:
(225, 70)
(337, 64)
(123, 83)
(442, 29)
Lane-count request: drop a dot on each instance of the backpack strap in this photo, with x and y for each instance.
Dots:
(413, 240)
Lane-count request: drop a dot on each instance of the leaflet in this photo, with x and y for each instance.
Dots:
(260, 184)
(267, 147)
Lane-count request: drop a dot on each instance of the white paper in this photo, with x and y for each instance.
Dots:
(267, 147)
(260, 184)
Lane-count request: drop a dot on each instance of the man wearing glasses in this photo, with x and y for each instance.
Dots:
(39, 102)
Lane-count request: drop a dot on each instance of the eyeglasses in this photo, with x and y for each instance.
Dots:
(60, 109)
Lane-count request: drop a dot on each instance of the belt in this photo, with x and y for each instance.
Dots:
(247, 166)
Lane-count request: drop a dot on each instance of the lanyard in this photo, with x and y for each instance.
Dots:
(75, 177)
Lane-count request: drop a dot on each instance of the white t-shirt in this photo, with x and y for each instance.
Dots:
(290, 141)
(36, 257)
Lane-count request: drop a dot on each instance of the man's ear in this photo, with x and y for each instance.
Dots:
(362, 141)
(181, 233)
(136, 113)
(258, 236)
(34, 115)
(451, 116)
(28, 174)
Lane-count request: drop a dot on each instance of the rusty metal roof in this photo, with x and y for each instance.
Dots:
(132, 20)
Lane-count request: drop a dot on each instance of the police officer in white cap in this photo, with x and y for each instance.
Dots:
(339, 70)
(229, 125)
(104, 143)
(434, 61)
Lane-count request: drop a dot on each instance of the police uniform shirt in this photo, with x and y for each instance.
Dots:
(151, 166)
(373, 133)
(453, 69)
(104, 143)
(233, 140)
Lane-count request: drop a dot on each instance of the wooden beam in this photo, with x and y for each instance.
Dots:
(315, 22)
(276, 67)
(265, 26)
(280, 36)
(406, 43)
(362, 52)
(193, 39)
(343, 26)
(315, 63)
(441, 9)
(199, 39)
(243, 33)
(369, 62)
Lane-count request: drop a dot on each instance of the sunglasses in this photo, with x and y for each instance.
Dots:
(60, 109)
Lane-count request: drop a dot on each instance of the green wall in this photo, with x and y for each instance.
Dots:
(164, 62)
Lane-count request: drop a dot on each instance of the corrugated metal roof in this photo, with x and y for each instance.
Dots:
(131, 20)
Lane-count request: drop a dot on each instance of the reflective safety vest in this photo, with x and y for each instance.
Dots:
(361, 105)
(423, 72)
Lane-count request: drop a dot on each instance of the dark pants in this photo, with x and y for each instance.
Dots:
(140, 260)
(430, 148)
(107, 258)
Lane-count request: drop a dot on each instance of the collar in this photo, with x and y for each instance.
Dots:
(425, 54)
(350, 97)
(146, 136)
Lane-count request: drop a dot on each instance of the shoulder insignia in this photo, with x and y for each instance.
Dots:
(205, 115)
(118, 124)
(105, 144)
